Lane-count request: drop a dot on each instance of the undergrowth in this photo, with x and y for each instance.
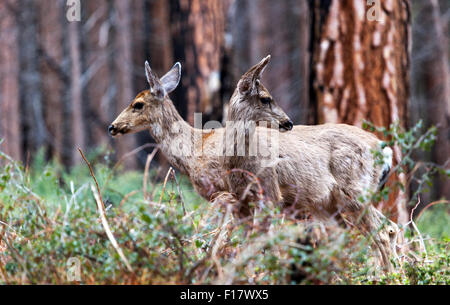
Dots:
(51, 233)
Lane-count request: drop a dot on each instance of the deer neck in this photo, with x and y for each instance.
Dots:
(238, 134)
(174, 136)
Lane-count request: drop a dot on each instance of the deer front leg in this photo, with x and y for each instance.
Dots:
(269, 183)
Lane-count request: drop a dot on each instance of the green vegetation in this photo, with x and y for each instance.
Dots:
(49, 215)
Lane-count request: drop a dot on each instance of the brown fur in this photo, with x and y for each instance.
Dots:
(159, 115)
(322, 169)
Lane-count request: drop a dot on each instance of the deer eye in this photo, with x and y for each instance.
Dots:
(265, 100)
(138, 106)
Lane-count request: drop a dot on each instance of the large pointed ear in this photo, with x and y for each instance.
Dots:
(172, 78)
(250, 78)
(155, 84)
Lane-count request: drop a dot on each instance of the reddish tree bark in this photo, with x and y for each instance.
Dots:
(51, 32)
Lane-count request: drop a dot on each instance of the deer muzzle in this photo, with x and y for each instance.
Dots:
(114, 130)
(286, 126)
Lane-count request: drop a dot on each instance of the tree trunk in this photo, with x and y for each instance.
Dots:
(124, 68)
(158, 45)
(263, 27)
(152, 28)
(99, 103)
(50, 48)
(77, 120)
(431, 87)
(361, 69)
(30, 80)
(198, 35)
(10, 130)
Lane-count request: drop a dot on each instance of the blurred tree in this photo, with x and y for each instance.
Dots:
(99, 95)
(51, 52)
(9, 74)
(361, 69)
(157, 48)
(431, 85)
(124, 76)
(279, 28)
(30, 78)
(76, 105)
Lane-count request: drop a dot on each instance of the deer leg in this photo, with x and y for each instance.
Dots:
(371, 223)
(270, 186)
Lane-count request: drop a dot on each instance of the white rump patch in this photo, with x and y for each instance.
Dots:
(387, 158)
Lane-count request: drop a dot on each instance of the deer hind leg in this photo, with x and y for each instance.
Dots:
(372, 223)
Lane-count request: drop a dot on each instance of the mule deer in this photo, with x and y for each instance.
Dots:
(195, 152)
(323, 169)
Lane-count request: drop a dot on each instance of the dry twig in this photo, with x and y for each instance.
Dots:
(105, 224)
(147, 166)
(164, 189)
(101, 210)
(93, 176)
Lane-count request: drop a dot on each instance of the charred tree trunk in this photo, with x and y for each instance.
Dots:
(361, 68)
(198, 35)
(151, 23)
(279, 28)
(431, 86)
(32, 112)
(158, 45)
(10, 130)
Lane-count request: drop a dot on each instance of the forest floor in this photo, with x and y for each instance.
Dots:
(164, 233)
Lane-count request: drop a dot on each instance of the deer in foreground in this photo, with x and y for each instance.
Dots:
(195, 152)
(322, 169)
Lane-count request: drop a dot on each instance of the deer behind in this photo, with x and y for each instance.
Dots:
(322, 169)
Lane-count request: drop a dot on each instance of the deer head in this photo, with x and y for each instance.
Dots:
(149, 107)
(253, 102)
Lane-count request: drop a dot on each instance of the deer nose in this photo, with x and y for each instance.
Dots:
(111, 129)
(288, 125)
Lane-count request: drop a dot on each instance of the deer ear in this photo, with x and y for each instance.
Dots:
(155, 84)
(261, 66)
(251, 78)
(172, 78)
